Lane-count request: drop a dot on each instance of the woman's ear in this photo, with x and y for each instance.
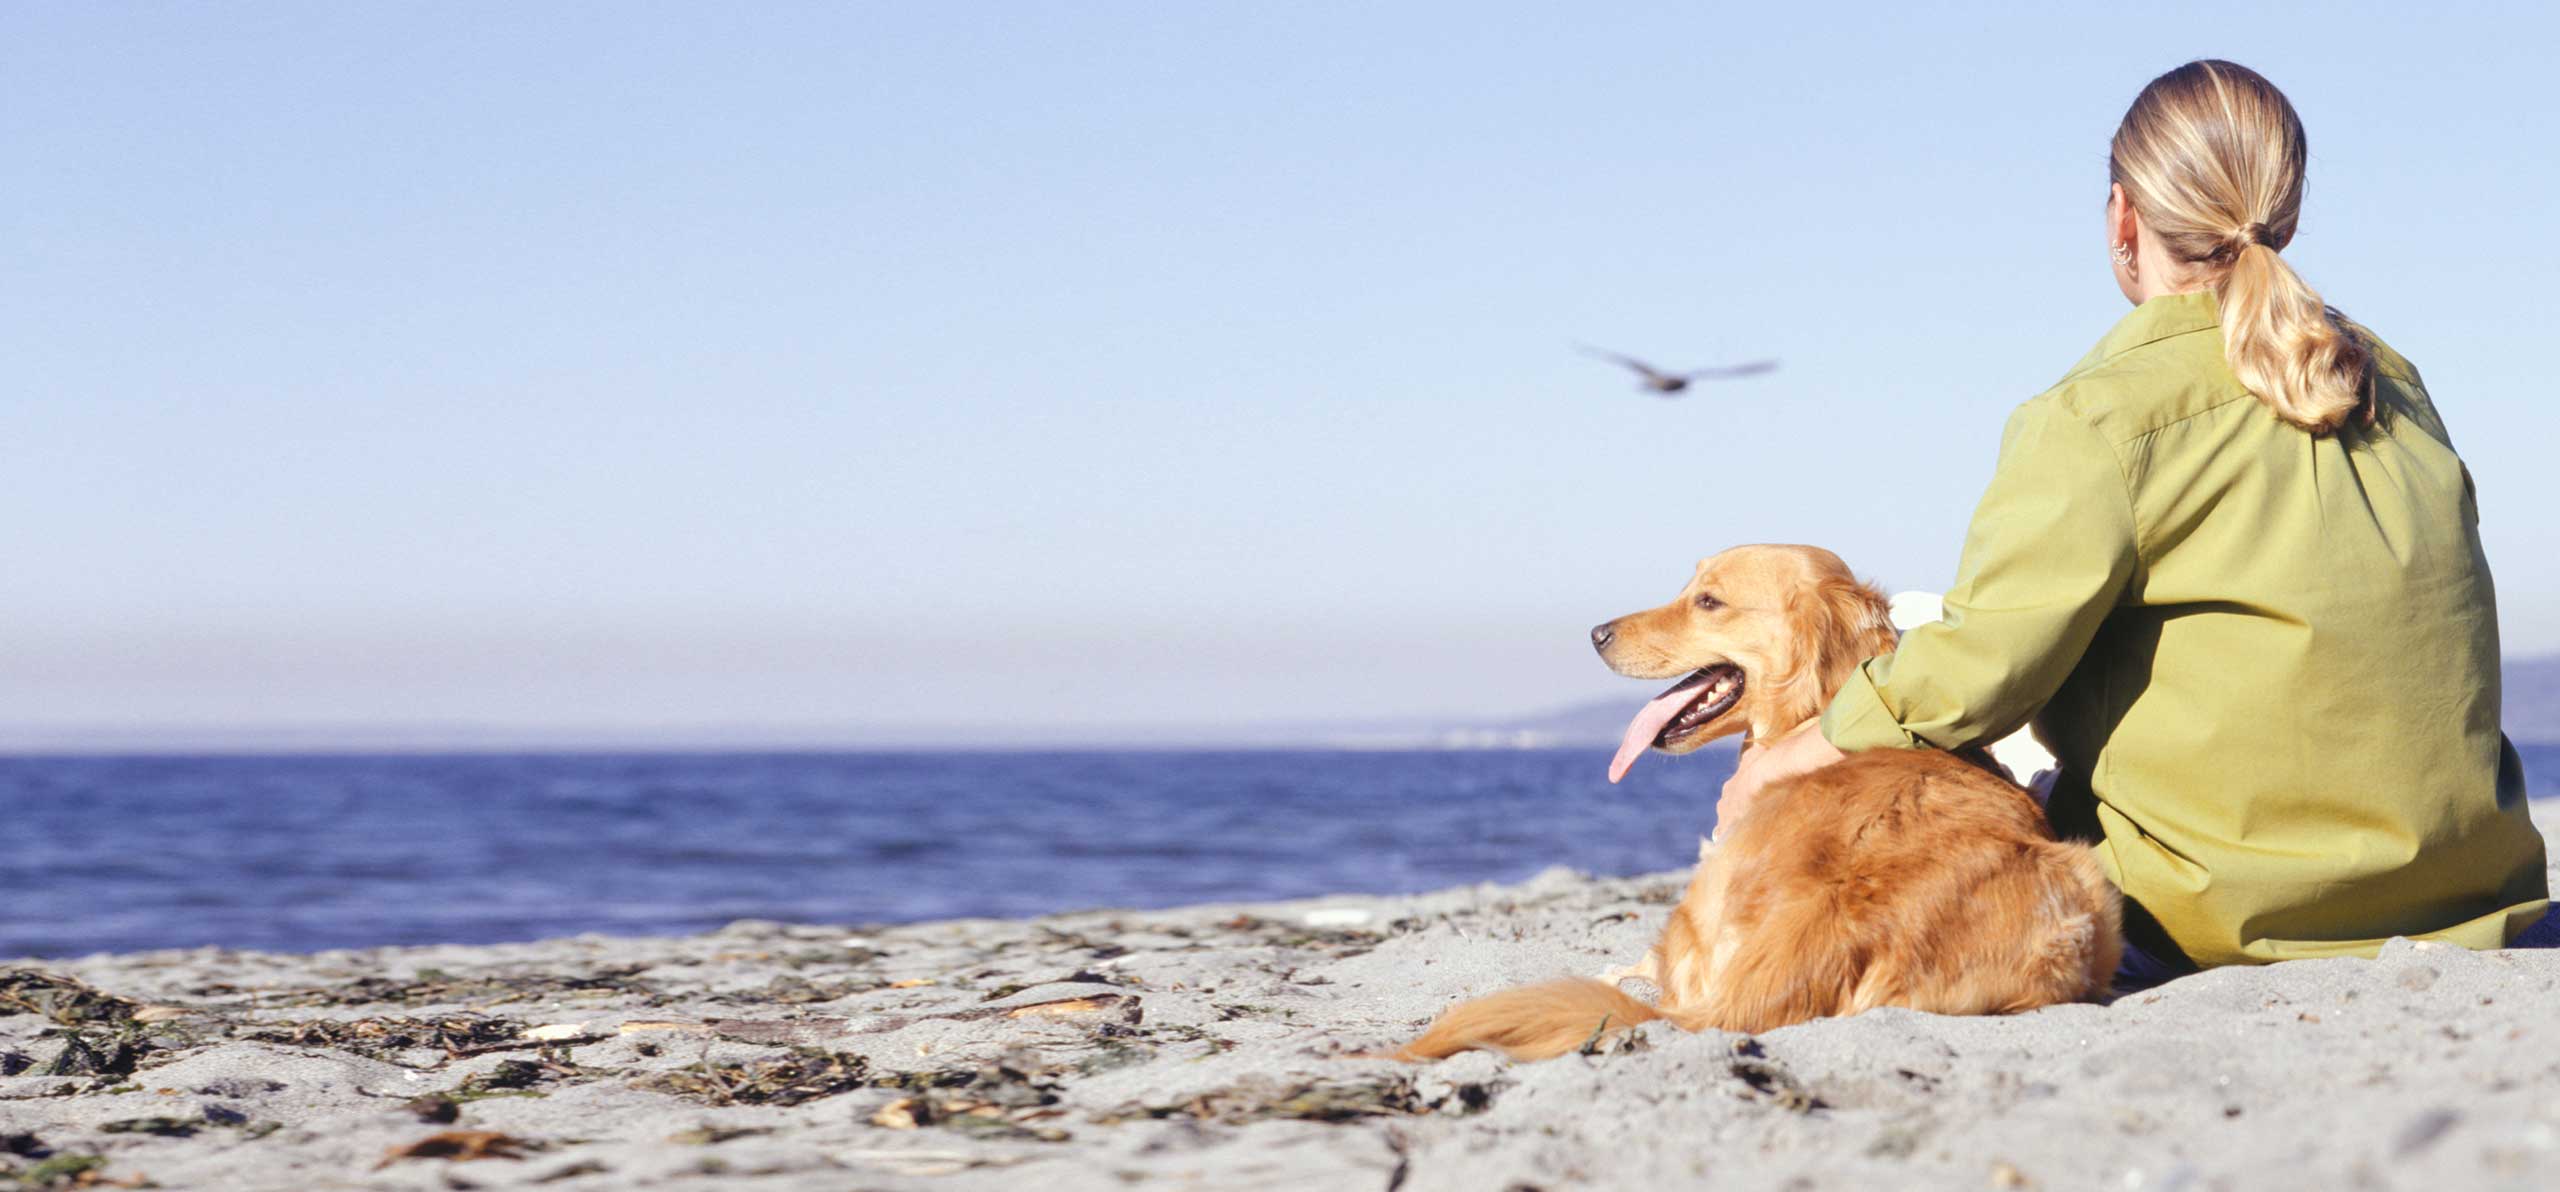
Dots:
(2124, 243)
(2121, 226)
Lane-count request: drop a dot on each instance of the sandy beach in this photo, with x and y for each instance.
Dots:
(1208, 1047)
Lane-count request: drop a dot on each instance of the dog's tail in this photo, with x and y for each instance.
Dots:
(2101, 941)
(1533, 1022)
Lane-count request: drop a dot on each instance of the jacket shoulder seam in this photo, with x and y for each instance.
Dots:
(2124, 482)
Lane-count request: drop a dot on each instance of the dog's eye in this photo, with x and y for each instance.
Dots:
(1708, 602)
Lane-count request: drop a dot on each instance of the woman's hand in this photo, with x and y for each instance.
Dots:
(1799, 752)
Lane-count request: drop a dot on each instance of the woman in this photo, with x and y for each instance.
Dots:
(2231, 566)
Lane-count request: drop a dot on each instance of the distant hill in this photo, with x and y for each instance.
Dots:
(2532, 717)
(2531, 690)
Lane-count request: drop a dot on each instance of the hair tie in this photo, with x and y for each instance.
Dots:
(2255, 233)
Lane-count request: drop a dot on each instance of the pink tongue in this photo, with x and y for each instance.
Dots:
(1648, 723)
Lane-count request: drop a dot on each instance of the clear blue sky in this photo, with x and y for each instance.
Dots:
(600, 366)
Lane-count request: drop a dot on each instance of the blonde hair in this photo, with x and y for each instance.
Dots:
(2211, 156)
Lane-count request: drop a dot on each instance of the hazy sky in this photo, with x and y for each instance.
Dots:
(1051, 366)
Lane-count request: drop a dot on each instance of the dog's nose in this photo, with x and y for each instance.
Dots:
(1602, 634)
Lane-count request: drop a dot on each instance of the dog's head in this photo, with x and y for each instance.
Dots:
(1762, 636)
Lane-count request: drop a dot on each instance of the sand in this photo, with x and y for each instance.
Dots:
(1208, 1047)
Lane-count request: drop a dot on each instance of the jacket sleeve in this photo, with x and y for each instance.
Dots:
(2050, 553)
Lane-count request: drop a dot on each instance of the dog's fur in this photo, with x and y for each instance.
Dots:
(1894, 878)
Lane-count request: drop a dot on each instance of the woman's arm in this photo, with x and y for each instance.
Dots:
(2050, 553)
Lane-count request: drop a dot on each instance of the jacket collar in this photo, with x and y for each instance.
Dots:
(2162, 317)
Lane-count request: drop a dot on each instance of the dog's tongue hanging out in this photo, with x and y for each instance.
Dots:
(1649, 721)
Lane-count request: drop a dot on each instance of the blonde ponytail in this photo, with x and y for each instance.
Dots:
(2286, 346)
(2211, 156)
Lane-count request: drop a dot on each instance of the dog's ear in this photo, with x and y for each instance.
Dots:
(1836, 624)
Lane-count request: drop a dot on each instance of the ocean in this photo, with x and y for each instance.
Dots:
(303, 853)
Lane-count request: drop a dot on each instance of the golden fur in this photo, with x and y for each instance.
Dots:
(1894, 878)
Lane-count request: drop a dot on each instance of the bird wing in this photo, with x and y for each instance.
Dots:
(1753, 369)
(1650, 372)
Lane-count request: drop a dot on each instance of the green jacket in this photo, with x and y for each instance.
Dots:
(2267, 661)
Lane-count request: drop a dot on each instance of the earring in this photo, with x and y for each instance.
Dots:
(2123, 255)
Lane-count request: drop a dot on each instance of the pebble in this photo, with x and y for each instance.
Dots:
(2423, 1131)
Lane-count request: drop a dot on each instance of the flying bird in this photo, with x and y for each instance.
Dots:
(1670, 384)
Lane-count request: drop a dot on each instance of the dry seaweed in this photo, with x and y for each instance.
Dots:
(1078, 977)
(816, 1030)
(996, 1100)
(1011, 1083)
(510, 1078)
(1310, 1101)
(62, 999)
(1605, 1040)
(514, 1078)
(848, 956)
(1011, 1087)
(796, 1032)
(1337, 942)
(978, 1118)
(1768, 1081)
(1130, 1011)
(461, 1146)
(157, 1127)
(1125, 1008)
(509, 1074)
(800, 991)
(107, 1055)
(806, 1074)
(1112, 1054)
(1061, 939)
(71, 1171)
(715, 1135)
(434, 987)
(1185, 1033)
(457, 1035)
(213, 1116)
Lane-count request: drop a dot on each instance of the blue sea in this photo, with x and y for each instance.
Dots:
(310, 852)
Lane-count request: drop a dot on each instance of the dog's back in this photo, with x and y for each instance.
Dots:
(1901, 878)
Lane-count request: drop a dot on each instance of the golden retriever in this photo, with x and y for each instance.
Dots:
(1894, 878)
